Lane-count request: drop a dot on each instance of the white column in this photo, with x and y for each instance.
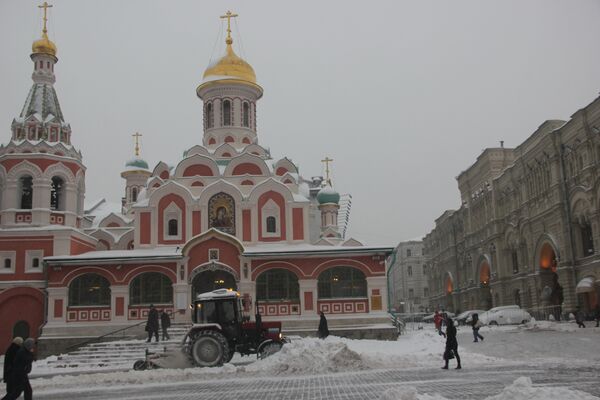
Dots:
(182, 298)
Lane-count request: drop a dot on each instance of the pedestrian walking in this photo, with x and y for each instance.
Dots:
(579, 318)
(476, 324)
(165, 323)
(451, 350)
(21, 368)
(323, 329)
(9, 360)
(437, 320)
(152, 324)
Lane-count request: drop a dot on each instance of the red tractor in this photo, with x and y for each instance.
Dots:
(220, 329)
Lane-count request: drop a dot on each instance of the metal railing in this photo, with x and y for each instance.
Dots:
(112, 333)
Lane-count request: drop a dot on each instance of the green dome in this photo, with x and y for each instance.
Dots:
(137, 163)
(328, 195)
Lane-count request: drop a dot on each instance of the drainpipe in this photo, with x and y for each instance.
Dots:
(567, 210)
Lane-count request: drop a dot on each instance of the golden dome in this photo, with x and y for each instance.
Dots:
(44, 46)
(230, 66)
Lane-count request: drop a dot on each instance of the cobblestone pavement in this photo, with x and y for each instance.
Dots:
(452, 384)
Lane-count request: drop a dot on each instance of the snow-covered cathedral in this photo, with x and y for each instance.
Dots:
(227, 215)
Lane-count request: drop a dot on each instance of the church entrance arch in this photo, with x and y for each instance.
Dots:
(552, 292)
(212, 276)
(485, 293)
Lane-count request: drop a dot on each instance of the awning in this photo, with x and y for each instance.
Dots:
(585, 285)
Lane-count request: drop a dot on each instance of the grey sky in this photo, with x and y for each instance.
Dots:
(403, 95)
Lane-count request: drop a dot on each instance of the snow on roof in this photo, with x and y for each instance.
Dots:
(168, 252)
(103, 209)
(277, 248)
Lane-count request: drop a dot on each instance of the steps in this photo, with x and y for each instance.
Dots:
(107, 356)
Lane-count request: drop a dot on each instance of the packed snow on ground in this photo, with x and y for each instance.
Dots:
(520, 389)
(303, 356)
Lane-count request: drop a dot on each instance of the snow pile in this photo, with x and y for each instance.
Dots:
(520, 389)
(538, 326)
(310, 356)
(523, 389)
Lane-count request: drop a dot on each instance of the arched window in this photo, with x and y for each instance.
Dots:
(246, 115)
(134, 194)
(271, 225)
(173, 229)
(210, 119)
(151, 288)
(342, 282)
(56, 193)
(26, 183)
(587, 240)
(276, 285)
(7, 263)
(409, 270)
(89, 290)
(226, 113)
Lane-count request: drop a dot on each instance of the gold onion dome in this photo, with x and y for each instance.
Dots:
(230, 66)
(44, 46)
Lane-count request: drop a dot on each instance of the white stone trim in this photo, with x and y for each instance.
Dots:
(8, 255)
(30, 255)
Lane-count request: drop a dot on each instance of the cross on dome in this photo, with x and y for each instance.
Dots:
(228, 15)
(326, 161)
(45, 6)
(137, 136)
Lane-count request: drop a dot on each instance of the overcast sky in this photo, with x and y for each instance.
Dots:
(403, 95)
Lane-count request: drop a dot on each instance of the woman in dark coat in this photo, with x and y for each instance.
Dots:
(21, 368)
(323, 329)
(451, 344)
(9, 360)
(165, 323)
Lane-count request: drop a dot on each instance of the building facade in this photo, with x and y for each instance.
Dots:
(408, 289)
(527, 231)
(228, 215)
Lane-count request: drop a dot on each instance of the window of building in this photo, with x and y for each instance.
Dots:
(246, 115)
(26, 183)
(424, 269)
(515, 261)
(411, 293)
(134, 194)
(425, 292)
(56, 193)
(271, 224)
(276, 285)
(226, 113)
(587, 240)
(89, 290)
(408, 253)
(151, 288)
(33, 260)
(339, 282)
(173, 229)
(409, 270)
(210, 119)
(7, 263)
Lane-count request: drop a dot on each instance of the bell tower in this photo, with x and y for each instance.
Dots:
(229, 92)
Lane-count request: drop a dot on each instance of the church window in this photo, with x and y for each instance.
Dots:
(151, 288)
(271, 225)
(210, 116)
(173, 231)
(7, 263)
(246, 115)
(89, 290)
(134, 194)
(48, 64)
(56, 193)
(26, 192)
(340, 282)
(276, 285)
(587, 240)
(515, 261)
(226, 113)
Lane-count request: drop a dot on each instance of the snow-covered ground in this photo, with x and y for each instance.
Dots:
(535, 347)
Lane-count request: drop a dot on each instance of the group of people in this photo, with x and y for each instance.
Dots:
(152, 324)
(17, 366)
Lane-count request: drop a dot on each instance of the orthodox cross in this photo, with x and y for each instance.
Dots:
(327, 160)
(45, 6)
(137, 143)
(229, 15)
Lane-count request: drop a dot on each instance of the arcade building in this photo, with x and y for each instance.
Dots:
(228, 215)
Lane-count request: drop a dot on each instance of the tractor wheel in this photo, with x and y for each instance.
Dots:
(231, 353)
(269, 349)
(209, 349)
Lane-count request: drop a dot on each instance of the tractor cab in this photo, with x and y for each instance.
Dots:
(220, 328)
